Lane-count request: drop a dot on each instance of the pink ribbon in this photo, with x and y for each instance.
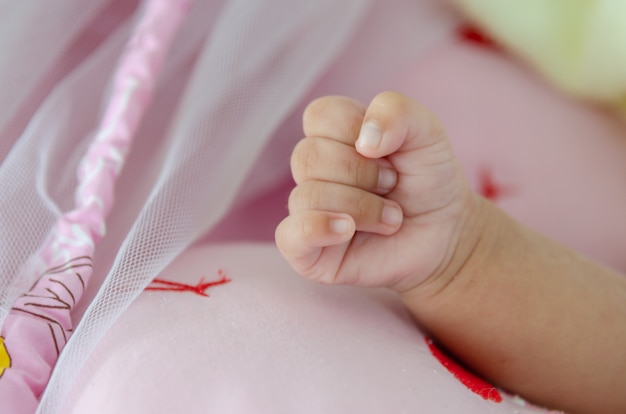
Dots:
(40, 324)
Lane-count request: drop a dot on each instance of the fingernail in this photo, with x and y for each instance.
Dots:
(386, 179)
(370, 137)
(392, 215)
(340, 226)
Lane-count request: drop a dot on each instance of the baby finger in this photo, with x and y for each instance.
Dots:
(370, 212)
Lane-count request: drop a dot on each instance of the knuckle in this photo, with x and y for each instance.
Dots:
(294, 161)
(314, 112)
(281, 236)
(294, 201)
(306, 196)
(305, 160)
(395, 101)
(336, 117)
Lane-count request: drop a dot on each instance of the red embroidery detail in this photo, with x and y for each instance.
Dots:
(488, 188)
(471, 381)
(199, 289)
(471, 34)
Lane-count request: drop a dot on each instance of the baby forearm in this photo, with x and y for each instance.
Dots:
(381, 201)
(531, 316)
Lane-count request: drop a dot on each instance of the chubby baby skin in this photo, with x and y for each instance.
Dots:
(381, 201)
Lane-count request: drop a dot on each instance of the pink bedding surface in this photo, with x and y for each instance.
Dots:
(270, 341)
(228, 327)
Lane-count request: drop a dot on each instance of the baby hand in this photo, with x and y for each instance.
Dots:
(380, 198)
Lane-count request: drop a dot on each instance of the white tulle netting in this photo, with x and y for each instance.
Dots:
(233, 73)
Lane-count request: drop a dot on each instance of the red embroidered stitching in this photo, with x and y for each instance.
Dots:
(471, 34)
(471, 381)
(199, 289)
(488, 187)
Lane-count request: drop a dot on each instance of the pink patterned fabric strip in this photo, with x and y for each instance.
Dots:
(39, 324)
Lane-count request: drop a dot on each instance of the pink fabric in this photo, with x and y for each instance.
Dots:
(234, 73)
(270, 341)
(40, 321)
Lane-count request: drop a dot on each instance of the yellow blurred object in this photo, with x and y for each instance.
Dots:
(5, 358)
(580, 45)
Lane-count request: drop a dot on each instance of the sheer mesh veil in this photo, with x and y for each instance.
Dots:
(233, 72)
